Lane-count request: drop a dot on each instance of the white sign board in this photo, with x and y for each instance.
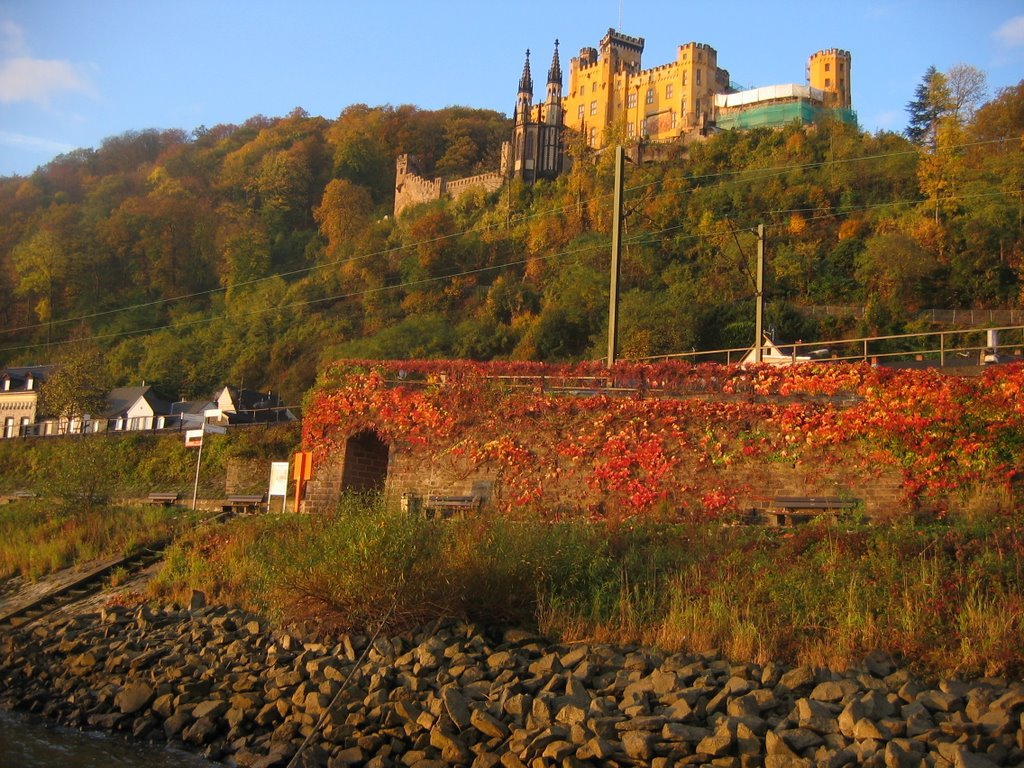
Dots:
(278, 478)
(193, 438)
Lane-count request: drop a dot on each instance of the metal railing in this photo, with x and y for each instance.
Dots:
(947, 348)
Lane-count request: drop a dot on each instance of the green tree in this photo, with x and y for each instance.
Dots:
(77, 385)
(931, 101)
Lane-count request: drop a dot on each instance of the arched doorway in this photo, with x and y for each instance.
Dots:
(366, 463)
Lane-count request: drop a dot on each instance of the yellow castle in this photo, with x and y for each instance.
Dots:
(609, 87)
(612, 98)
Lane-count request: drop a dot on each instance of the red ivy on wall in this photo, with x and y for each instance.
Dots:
(625, 434)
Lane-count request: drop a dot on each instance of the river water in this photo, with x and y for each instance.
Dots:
(28, 742)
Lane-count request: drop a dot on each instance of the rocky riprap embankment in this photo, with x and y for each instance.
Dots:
(217, 680)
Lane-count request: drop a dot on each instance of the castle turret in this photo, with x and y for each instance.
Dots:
(524, 101)
(829, 71)
(553, 108)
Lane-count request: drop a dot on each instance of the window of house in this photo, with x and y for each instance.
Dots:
(668, 91)
(673, 118)
(650, 95)
(593, 136)
(631, 101)
(630, 130)
(593, 107)
(579, 112)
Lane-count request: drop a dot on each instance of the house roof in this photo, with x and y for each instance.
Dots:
(123, 398)
(198, 407)
(251, 400)
(18, 375)
(252, 406)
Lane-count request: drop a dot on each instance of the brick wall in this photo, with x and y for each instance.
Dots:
(752, 484)
(366, 463)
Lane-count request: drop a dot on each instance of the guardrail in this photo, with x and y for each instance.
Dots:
(947, 348)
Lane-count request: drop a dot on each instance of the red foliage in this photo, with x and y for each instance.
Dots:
(624, 433)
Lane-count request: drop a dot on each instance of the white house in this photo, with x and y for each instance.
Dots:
(131, 409)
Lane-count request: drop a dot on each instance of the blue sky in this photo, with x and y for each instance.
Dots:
(73, 72)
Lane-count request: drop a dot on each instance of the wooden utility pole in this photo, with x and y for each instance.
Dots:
(759, 310)
(613, 293)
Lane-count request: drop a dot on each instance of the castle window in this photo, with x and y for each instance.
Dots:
(593, 88)
(697, 78)
(593, 107)
(828, 67)
(828, 82)
(579, 112)
(582, 88)
(840, 66)
(684, 78)
(650, 95)
(631, 101)
(668, 91)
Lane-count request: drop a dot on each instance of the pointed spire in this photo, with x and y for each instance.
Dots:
(526, 81)
(555, 73)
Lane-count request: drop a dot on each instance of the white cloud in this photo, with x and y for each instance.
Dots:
(33, 143)
(1011, 34)
(23, 78)
(36, 80)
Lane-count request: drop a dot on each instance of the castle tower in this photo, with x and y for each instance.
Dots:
(536, 150)
(553, 108)
(524, 101)
(829, 71)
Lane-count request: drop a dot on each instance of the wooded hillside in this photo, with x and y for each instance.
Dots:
(253, 254)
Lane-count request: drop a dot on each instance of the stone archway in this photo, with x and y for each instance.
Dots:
(366, 462)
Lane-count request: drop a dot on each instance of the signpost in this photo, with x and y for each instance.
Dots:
(278, 483)
(194, 439)
(301, 473)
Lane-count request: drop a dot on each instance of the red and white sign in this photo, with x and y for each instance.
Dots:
(193, 438)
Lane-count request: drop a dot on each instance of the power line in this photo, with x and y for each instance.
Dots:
(742, 175)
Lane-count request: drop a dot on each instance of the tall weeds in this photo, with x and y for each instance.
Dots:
(949, 598)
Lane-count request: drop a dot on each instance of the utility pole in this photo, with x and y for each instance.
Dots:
(613, 293)
(759, 310)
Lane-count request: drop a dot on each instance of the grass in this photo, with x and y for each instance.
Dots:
(946, 598)
(37, 538)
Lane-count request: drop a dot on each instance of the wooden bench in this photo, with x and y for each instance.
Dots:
(446, 506)
(235, 504)
(788, 510)
(163, 499)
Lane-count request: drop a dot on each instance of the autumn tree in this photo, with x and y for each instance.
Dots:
(76, 387)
